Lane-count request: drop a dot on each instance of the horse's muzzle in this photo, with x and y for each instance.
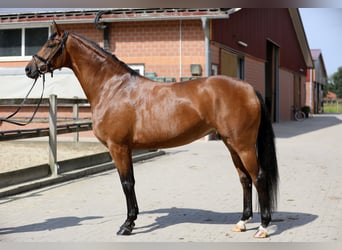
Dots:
(31, 71)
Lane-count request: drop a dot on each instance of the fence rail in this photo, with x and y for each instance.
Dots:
(45, 101)
(8, 135)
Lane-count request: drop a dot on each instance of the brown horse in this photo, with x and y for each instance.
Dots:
(130, 111)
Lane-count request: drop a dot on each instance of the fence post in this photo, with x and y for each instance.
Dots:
(53, 134)
(76, 116)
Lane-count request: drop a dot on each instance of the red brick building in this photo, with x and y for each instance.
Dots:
(266, 47)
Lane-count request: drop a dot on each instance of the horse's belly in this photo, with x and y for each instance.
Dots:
(163, 138)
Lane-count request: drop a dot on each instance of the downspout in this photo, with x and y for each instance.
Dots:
(311, 72)
(180, 50)
(206, 29)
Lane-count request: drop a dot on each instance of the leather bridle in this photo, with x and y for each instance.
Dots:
(47, 61)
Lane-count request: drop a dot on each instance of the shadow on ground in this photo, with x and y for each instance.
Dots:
(172, 216)
(49, 224)
(294, 128)
(282, 221)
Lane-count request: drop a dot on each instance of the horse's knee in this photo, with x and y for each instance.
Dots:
(246, 181)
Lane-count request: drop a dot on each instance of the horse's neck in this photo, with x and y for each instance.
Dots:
(92, 67)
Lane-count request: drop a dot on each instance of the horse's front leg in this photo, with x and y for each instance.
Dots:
(122, 156)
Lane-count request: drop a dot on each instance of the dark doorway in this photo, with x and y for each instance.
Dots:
(272, 80)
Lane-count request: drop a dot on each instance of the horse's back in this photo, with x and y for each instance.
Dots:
(223, 95)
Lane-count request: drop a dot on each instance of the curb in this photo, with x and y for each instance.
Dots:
(67, 176)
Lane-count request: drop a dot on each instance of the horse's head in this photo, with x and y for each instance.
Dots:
(50, 57)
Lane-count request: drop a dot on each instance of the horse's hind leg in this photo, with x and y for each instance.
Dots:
(249, 161)
(123, 161)
(246, 183)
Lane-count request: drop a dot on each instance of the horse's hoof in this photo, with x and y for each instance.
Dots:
(261, 233)
(240, 226)
(124, 231)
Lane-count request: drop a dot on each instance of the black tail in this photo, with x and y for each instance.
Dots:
(267, 153)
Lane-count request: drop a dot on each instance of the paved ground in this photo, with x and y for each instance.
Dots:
(193, 194)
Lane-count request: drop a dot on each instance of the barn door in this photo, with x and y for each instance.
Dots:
(272, 80)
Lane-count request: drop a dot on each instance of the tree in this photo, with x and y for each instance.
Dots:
(336, 85)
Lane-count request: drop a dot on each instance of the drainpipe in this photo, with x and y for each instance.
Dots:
(206, 29)
(311, 72)
(180, 50)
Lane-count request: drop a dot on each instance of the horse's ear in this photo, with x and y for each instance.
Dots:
(56, 28)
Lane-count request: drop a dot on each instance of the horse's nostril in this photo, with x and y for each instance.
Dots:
(27, 70)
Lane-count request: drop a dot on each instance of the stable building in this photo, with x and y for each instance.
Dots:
(266, 47)
(316, 78)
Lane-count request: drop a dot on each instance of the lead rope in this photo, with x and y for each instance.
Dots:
(8, 118)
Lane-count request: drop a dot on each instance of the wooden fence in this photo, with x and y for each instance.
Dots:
(77, 125)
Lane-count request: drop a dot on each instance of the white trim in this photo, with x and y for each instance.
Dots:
(15, 58)
(22, 52)
(138, 67)
(9, 26)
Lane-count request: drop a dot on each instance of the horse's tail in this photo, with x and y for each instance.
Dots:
(267, 154)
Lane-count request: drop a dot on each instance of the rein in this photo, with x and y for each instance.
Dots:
(8, 118)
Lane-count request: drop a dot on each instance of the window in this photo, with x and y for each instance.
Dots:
(10, 42)
(22, 41)
(34, 40)
(232, 64)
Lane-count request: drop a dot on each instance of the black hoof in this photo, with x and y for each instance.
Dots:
(126, 229)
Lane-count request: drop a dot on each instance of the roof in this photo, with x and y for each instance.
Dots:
(315, 53)
(72, 15)
(317, 56)
(301, 36)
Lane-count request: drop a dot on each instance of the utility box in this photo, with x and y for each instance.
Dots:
(196, 69)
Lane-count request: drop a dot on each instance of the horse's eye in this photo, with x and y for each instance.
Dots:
(51, 45)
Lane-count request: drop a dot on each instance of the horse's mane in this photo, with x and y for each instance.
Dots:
(112, 56)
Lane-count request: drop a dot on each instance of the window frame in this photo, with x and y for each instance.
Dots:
(23, 57)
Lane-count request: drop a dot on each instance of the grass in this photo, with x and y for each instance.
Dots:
(333, 107)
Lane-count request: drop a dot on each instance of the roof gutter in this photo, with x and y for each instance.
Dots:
(119, 16)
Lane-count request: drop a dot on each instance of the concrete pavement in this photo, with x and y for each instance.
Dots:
(193, 194)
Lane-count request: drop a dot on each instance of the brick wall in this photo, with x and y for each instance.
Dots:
(156, 44)
(164, 47)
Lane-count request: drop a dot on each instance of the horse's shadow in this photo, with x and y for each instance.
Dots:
(172, 216)
(49, 224)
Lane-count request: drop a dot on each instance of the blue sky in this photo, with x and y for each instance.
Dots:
(323, 28)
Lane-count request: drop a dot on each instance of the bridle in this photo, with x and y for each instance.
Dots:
(49, 68)
(47, 61)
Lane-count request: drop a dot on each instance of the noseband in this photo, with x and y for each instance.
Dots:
(47, 62)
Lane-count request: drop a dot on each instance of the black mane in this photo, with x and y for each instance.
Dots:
(112, 56)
